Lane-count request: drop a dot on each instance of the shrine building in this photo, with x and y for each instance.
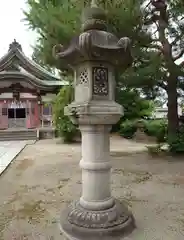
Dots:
(26, 92)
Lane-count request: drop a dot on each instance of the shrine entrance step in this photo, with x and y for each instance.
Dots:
(18, 134)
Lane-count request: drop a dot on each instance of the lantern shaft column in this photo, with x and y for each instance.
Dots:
(95, 164)
(97, 214)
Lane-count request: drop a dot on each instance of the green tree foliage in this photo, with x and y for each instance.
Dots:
(165, 21)
(135, 107)
(65, 128)
(58, 21)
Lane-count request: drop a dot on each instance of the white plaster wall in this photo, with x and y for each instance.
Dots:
(22, 95)
(162, 112)
(48, 97)
(6, 95)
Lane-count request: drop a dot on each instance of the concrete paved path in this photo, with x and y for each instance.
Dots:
(9, 150)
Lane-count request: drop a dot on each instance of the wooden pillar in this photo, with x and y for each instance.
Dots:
(42, 114)
(4, 115)
(39, 100)
(50, 112)
(28, 119)
(36, 113)
(0, 114)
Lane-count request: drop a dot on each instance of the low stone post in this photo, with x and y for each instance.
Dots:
(93, 55)
(140, 134)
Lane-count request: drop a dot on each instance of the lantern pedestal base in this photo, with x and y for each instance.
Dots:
(78, 223)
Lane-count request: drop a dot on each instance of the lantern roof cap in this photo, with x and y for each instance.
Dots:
(94, 17)
(95, 43)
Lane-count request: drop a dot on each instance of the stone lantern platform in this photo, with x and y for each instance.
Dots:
(94, 55)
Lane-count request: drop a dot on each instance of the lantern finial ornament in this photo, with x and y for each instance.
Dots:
(94, 18)
(94, 3)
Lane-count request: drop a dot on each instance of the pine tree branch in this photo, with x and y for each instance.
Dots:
(176, 39)
(148, 4)
(156, 47)
(156, 40)
(179, 55)
(181, 64)
(162, 24)
(162, 85)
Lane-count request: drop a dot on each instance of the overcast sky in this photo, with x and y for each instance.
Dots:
(12, 27)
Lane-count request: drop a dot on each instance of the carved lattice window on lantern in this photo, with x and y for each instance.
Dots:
(100, 81)
(83, 77)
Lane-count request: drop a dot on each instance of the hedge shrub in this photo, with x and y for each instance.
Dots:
(64, 127)
(176, 143)
(156, 128)
(128, 129)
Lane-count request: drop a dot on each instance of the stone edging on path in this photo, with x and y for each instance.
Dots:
(12, 153)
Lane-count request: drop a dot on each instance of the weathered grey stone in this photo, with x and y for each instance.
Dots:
(80, 223)
(94, 55)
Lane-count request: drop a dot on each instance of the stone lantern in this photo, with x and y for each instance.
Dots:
(94, 55)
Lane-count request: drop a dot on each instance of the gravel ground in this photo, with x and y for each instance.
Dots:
(45, 177)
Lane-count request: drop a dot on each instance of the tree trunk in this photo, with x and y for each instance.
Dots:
(161, 19)
(173, 120)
